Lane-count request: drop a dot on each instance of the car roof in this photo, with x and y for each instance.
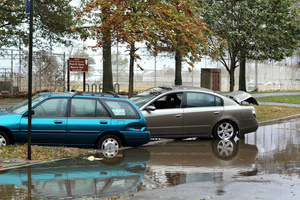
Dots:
(166, 88)
(82, 94)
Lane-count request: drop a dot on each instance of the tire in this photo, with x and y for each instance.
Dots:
(109, 142)
(224, 130)
(4, 139)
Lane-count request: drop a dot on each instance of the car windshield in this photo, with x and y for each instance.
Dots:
(144, 97)
(20, 108)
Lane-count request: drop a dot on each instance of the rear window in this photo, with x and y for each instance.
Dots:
(122, 109)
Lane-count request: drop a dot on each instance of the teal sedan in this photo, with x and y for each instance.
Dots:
(100, 120)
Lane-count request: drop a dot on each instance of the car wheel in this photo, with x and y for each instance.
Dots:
(109, 142)
(4, 140)
(224, 130)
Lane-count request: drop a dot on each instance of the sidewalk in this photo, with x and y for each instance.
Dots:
(278, 104)
(274, 94)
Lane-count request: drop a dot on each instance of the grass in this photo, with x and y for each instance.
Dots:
(12, 100)
(295, 99)
(41, 153)
(268, 112)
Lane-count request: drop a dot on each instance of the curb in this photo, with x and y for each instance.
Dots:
(162, 141)
(265, 123)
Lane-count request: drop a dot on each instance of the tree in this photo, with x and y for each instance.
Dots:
(254, 29)
(180, 31)
(47, 72)
(53, 22)
(162, 25)
(276, 34)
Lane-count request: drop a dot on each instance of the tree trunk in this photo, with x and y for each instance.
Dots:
(131, 71)
(231, 79)
(242, 76)
(107, 71)
(178, 78)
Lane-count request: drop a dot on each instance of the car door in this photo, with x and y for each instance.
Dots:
(202, 111)
(87, 118)
(48, 123)
(167, 118)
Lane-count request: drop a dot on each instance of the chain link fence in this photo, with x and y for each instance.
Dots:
(50, 72)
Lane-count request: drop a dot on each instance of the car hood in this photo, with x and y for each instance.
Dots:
(4, 112)
(240, 96)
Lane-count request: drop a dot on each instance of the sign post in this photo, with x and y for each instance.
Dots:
(30, 74)
(79, 65)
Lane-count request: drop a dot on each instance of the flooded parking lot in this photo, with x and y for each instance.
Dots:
(199, 169)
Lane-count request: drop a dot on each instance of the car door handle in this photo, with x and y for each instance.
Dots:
(58, 122)
(216, 113)
(103, 122)
(178, 116)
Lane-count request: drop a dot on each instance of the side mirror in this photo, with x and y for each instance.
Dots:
(32, 113)
(150, 108)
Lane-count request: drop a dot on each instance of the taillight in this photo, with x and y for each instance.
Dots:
(253, 112)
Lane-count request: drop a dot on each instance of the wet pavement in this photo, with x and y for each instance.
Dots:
(263, 165)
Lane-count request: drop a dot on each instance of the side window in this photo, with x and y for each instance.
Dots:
(169, 101)
(51, 108)
(100, 110)
(87, 108)
(219, 101)
(202, 100)
(122, 109)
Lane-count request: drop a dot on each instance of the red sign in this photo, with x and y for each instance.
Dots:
(78, 64)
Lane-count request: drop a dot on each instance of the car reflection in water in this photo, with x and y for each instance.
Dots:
(119, 172)
(188, 161)
(135, 169)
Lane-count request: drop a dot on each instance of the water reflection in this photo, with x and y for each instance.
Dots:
(279, 147)
(79, 178)
(190, 161)
(273, 149)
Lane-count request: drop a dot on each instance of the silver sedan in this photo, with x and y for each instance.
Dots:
(184, 111)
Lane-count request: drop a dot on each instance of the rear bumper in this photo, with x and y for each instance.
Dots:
(136, 138)
(248, 126)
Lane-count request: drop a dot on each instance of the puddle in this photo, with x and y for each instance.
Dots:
(273, 149)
